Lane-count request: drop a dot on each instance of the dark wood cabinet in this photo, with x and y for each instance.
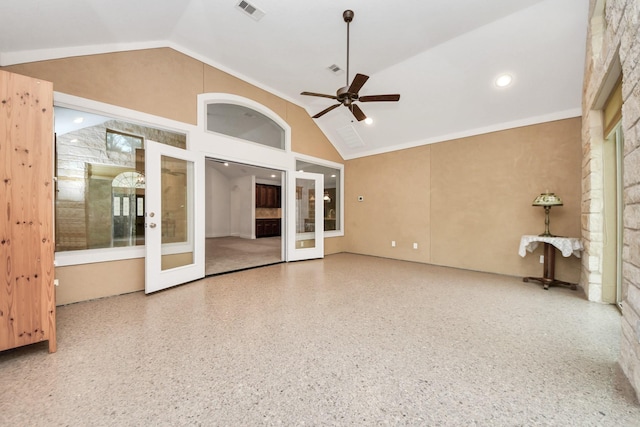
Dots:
(268, 227)
(267, 196)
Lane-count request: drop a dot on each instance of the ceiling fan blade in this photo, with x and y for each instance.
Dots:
(357, 112)
(358, 81)
(379, 98)
(326, 110)
(319, 94)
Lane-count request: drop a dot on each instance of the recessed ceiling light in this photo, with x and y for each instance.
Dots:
(273, 176)
(74, 140)
(226, 164)
(368, 120)
(78, 120)
(333, 176)
(504, 80)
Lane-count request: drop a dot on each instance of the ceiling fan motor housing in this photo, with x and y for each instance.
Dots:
(345, 96)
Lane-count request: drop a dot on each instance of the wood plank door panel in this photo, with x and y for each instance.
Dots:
(27, 296)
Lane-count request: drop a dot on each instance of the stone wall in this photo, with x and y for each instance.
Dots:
(613, 49)
(83, 199)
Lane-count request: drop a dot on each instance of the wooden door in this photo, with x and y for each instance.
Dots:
(27, 296)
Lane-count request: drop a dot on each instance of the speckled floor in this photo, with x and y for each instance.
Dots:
(348, 340)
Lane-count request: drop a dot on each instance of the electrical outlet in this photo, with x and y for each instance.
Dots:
(541, 259)
(415, 246)
(56, 282)
(393, 243)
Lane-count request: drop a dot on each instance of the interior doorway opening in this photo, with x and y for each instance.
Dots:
(244, 216)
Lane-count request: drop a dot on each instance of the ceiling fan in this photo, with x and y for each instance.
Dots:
(349, 94)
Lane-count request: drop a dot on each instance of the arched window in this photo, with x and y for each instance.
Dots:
(245, 123)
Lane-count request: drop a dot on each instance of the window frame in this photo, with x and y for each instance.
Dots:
(89, 256)
(339, 232)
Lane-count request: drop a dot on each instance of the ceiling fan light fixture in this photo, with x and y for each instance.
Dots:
(503, 80)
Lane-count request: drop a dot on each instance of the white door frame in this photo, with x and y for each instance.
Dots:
(156, 278)
(295, 253)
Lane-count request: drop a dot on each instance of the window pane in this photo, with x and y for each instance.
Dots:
(100, 186)
(332, 192)
(244, 123)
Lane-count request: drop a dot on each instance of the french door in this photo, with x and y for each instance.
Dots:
(174, 216)
(305, 216)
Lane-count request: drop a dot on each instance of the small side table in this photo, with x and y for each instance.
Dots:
(567, 245)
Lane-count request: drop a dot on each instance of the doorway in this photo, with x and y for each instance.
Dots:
(244, 216)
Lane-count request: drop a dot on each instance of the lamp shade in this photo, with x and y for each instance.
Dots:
(547, 199)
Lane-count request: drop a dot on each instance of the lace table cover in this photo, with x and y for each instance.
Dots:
(566, 245)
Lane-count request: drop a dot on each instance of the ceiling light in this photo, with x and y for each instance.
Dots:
(273, 176)
(368, 120)
(503, 80)
(333, 176)
(79, 120)
(74, 140)
(226, 164)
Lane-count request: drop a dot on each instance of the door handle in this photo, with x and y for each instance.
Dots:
(152, 225)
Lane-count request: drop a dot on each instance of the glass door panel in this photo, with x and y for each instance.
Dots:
(174, 216)
(305, 234)
(177, 218)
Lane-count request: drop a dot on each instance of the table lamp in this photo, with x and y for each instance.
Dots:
(547, 200)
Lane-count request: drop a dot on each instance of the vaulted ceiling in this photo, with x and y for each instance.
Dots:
(442, 56)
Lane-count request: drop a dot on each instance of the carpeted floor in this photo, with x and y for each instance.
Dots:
(349, 340)
(224, 254)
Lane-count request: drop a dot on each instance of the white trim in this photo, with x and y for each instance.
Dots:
(26, 56)
(121, 113)
(227, 98)
(330, 164)
(199, 140)
(91, 256)
(560, 115)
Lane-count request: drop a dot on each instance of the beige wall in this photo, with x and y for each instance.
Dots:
(466, 202)
(90, 281)
(613, 49)
(165, 83)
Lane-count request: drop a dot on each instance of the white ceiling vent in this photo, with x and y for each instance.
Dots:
(350, 136)
(250, 10)
(335, 69)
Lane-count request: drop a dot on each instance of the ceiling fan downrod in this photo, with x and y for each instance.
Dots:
(347, 15)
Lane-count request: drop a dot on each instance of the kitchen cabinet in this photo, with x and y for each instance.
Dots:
(268, 227)
(27, 294)
(267, 196)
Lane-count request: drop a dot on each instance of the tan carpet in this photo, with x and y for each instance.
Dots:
(225, 254)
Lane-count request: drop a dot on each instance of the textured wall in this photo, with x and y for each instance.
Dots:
(165, 83)
(613, 41)
(467, 202)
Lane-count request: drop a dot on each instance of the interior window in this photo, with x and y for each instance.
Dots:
(244, 123)
(100, 179)
(331, 195)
